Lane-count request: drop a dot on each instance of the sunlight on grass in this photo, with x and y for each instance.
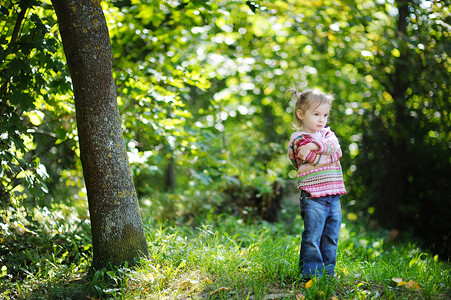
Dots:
(225, 259)
(219, 258)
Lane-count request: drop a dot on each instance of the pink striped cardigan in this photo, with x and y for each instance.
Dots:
(320, 174)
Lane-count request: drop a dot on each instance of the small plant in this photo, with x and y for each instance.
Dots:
(110, 283)
(43, 255)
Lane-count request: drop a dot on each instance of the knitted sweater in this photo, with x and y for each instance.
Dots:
(320, 173)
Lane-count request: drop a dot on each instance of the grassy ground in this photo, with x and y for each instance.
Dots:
(218, 258)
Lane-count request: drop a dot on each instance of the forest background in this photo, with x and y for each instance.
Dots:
(201, 90)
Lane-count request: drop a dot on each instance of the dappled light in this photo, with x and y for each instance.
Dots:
(200, 96)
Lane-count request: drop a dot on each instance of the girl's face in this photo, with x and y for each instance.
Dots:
(314, 118)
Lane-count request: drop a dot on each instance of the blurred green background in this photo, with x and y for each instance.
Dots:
(202, 93)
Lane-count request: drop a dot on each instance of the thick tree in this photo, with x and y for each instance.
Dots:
(116, 224)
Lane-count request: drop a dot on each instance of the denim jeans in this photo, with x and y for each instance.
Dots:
(322, 222)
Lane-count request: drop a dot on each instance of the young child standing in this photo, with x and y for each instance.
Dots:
(315, 152)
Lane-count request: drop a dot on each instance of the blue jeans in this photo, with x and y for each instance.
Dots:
(322, 222)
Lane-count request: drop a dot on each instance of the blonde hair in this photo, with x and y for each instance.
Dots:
(304, 100)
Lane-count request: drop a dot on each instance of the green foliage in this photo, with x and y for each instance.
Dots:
(33, 103)
(202, 94)
(404, 141)
(40, 253)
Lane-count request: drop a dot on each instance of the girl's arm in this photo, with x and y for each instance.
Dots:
(316, 158)
(329, 145)
(305, 150)
(297, 143)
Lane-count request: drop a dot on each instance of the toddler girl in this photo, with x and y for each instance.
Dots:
(315, 152)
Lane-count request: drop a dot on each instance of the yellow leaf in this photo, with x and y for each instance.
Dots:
(208, 281)
(412, 285)
(308, 284)
(333, 298)
(397, 280)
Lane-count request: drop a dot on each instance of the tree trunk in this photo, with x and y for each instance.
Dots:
(116, 224)
(400, 84)
(169, 178)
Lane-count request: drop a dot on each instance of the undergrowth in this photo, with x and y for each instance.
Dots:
(214, 257)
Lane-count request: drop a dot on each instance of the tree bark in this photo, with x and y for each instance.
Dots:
(400, 139)
(116, 224)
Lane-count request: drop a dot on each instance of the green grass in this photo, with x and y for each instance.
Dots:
(218, 258)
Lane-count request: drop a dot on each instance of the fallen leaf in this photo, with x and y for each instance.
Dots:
(309, 284)
(397, 280)
(207, 280)
(300, 297)
(412, 285)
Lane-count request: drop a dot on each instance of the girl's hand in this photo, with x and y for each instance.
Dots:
(303, 151)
